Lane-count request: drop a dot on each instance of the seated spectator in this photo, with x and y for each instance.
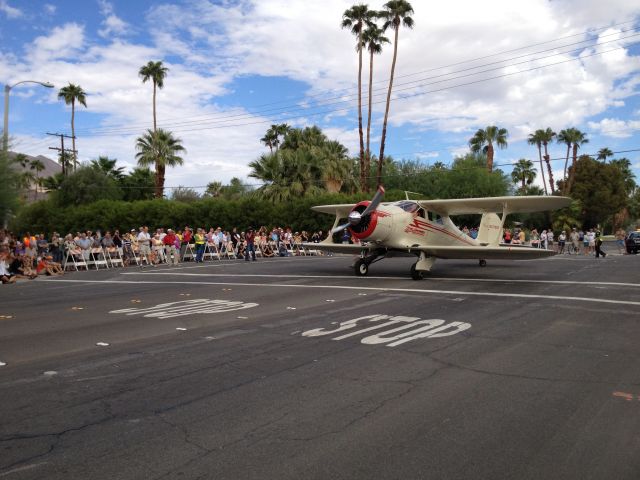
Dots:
(84, 243)
(5, 275)
(46, 266)
(107, 241)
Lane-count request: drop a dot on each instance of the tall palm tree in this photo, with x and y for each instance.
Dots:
(395, 14)
(72, 94)
(356, 19)
(373, 38)
(536, 139)
(37, 166)
(523, 172)
(547, 136)
(484, 139)
(156, 72)
(565, 136)
(162, 149)
(578, 139)
(604, 153)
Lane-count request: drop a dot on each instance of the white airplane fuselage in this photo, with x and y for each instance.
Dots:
(403, 225)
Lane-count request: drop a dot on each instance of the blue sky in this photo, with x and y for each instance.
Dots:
(235, 67)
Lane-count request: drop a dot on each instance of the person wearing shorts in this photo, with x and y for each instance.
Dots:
(144, 245)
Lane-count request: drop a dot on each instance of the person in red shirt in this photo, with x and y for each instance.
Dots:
(169, 242)
(187, 238)
(250, 237)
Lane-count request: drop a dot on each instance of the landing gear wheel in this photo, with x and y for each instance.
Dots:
(361, 268)
(416, 274)
(482, 263)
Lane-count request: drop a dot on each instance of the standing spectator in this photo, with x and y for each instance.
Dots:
(117, 240)
(187, 237)
(84, 243)
(507, 236)
(251, 248)
(574, 238)
(42, 245)
(522, 237)
(535, 238)
(544, 239)
(591, 235)
(562, 239)
(550, 237)
(144, 245)
(170, 249)
(56, 247)
(584, 239)
(107, 241)
(620, 234)
(598, 245)
(200, 241)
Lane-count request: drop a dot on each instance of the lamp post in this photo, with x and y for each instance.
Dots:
(7, 89)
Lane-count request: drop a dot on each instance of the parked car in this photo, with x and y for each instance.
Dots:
(632, 242)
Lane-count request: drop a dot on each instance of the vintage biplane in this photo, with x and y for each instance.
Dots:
(423, 228)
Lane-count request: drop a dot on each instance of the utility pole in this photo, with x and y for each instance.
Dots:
(62, 150)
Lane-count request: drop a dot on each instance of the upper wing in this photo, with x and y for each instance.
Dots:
(486, 253)
(522, 204)
(342, 210)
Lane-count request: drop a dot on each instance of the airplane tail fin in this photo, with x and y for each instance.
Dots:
(490, 230)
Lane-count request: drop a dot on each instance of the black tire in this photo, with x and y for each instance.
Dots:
(361, 268)
(482, 263)
(416, 274)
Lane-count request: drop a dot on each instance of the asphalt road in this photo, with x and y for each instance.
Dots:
(268, 370)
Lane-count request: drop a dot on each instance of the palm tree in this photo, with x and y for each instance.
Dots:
(336, 167)
(395, 13)
(159, 148)
(37, 165)
(373, 38)
(484, 140)
(565, 136)
(108, 167)
(536, 139)
(578, 138)
(523, 172)
(156, 72)
(356, 18)
(70, 94)
(604, 153)
(270, 139)
(547, 136)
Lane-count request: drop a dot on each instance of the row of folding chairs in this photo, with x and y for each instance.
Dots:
(93, 257)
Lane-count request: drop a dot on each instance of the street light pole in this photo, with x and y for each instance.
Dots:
(7, 90)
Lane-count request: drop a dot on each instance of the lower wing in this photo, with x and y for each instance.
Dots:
(336, 247)
(486, 253)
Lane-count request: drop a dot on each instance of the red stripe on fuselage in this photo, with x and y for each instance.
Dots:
(447, 232)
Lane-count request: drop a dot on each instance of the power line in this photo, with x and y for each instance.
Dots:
(218, 119)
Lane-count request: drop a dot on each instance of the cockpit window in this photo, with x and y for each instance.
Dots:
(408, 206)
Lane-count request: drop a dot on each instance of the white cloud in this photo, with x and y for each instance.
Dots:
(50, 9)
(616, 128)
(112, 24)
(9, 11)
(62, 43)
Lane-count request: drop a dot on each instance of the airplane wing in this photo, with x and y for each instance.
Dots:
(486, 253)
(522, 204)
(336, 247)
(342, 210)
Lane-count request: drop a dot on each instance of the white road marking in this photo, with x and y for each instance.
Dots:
(2, 364)
(187, 307)
(445, 279)
(218, 263)
(50, 373)
(102, 344)
(377, 289)
(182, 329)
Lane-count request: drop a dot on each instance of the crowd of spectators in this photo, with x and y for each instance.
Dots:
(31, 255)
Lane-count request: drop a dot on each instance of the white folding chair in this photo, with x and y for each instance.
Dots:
(97, 258)
(210, 251)
(114, 257)
(189, 253)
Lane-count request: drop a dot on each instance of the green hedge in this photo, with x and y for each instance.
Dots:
(46, 217)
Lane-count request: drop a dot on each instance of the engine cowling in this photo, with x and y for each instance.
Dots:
(373, 227)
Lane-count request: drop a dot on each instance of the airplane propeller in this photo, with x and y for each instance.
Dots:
(356, 217)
